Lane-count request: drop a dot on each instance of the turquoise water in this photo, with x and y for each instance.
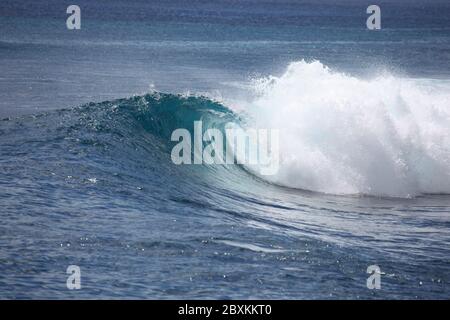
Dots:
(86, 176)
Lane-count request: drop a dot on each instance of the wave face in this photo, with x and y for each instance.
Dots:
(95, 186)
(339, 134)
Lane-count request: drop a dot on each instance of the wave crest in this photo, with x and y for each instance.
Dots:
(341, 134)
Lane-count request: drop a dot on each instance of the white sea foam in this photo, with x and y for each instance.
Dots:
(339, 134)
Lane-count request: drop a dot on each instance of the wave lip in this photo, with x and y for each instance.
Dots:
(340, 134)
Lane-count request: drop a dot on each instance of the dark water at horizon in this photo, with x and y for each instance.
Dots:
(123, 48)
(86, 176)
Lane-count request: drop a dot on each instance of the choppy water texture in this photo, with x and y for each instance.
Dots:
(365, 165)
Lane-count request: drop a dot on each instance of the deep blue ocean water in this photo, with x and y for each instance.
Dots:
(86, 176)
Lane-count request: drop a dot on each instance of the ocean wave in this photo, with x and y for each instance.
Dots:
(340, 134)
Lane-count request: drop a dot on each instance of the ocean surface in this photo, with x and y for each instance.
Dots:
(86, 176)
